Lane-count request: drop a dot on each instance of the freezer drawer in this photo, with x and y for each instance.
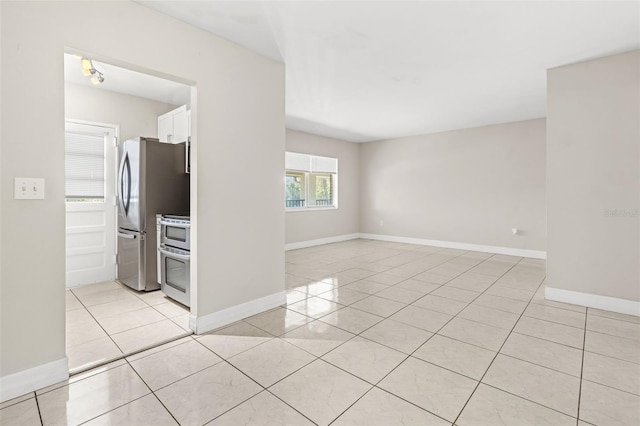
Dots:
(132, 260)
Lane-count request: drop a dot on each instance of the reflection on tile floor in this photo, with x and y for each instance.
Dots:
(107, 320)
(374, 333)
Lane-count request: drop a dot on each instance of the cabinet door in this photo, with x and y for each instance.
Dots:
(180, 127)
(165, 127)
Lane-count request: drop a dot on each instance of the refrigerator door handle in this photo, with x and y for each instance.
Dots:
(127, 236)
(125, 187)
(120, 194)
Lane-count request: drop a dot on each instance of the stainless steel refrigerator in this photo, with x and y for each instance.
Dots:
(151, 180)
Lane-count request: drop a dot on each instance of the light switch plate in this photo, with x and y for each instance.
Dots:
(28, 189)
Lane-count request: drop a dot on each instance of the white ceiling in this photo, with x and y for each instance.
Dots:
(126, 81)
(370, 70)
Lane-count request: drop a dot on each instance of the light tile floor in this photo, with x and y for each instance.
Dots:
(374, 333)
(107, 320)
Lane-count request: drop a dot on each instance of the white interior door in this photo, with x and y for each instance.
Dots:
(90, 203)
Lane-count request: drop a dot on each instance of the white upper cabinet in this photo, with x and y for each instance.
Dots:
(165, 127)
(174, 126)
(180, 127)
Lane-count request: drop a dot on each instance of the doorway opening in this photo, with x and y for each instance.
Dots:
(107, 317)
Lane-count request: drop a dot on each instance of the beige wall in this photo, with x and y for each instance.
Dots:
(309, 225)
(467, 186)
(135, 116)
(239, 108)
(593, 181)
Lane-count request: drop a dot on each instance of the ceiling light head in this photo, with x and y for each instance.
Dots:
(89, 71)
(97, 78)
(86, 64)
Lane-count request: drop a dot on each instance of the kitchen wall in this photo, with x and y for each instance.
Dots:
(464, 186)
(237, 107)
(308, 225)
(136, 116)
(593, 181)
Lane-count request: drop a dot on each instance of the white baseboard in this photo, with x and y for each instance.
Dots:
(35, 378)
(321, 241)
(221, 318)
(622, 306)
(536, 254)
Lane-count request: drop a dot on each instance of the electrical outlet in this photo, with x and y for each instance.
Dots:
(28, 189)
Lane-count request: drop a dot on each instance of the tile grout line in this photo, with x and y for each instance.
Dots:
(471, 344)
(584, 344)
(520, 316)
(403, 264)
(151, 390)
(319, 358)
(373, 294)
(531, 401)
(498, 351)
(612, 387)
(410, 355)
(354, 403)
(127, 363)
(164, 406)
(116, 408)
(26, 398)
(99, 324)
(555, 322)
(359, 335)
(124, 354)
(249, 377)
(263, 389)
(38, 407)
(444, 325)
(597, 314)
(222, 360)
(616, 336)
(289, 405)
(400, 282)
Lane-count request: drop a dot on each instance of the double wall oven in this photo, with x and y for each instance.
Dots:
(174, 257)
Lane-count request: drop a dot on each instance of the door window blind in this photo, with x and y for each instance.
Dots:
(84, 166)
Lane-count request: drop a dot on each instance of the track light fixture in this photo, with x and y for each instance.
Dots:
(90, 71)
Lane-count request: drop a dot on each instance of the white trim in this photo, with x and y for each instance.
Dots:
(536, 254)
(622, 306)
(308, 209)
(221, 318)
(23, 382)
(321, 241)
(116, 127)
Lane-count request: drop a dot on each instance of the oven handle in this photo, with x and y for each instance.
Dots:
(175, 225)
(174, 255)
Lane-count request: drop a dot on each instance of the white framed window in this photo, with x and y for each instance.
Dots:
(310, 182)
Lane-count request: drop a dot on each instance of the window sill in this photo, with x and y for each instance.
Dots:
(308, 209)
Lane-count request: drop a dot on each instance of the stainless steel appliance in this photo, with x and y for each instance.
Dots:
(174, 231)
(175, 257)
(151, 180)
